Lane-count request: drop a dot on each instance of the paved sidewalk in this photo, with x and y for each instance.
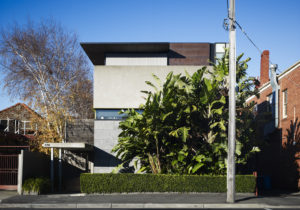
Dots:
(4, 194)
(152, 200)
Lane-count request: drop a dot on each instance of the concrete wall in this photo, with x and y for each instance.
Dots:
(136, 60)
(118, 87)
(105, 138)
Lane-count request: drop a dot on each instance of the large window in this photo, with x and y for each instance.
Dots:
(284, 106)
(220, 50)
(111, 114)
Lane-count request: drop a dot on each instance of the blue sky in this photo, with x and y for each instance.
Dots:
(272, 24)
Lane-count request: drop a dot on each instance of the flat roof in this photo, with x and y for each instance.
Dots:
(96, 51)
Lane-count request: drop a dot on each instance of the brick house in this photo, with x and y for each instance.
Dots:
(278, 124)
(17, 119)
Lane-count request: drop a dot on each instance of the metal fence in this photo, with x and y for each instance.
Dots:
(8, 171)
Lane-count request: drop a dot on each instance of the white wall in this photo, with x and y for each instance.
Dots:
(118, 87)
(136, 60)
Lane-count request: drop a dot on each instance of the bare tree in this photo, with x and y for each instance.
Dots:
(44, 66)
(81, 102)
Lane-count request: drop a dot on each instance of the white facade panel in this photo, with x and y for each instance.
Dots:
(117, 87)
(136, 61)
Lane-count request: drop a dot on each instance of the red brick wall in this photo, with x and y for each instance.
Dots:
(289, 165)
(291, 83)
(264, 67)
(263, 96)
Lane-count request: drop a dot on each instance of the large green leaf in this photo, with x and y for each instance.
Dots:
(184, 122)
(208, 84)
(197, 167)
(185, 132)
(166, 115)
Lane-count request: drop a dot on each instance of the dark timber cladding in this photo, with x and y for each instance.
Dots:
(178, 53)
(189, 54)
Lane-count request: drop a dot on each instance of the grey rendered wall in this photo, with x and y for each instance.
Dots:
(118, 87)
(105, 138)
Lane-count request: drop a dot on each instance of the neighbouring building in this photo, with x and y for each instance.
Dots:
(18, 119)
(120, 72)
(278, 112)
(16, 130)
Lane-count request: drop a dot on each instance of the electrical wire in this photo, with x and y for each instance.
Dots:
(225, 25)
(227, 9)
(252, 42)
(243, 31)
(260, 51)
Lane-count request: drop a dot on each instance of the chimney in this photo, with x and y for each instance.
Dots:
(264, 67)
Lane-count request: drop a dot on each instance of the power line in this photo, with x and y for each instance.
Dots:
(244, 32)
(227, 9)
(260, 51)
(225, 25)
(298, 85)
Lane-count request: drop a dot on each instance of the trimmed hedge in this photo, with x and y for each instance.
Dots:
(126, 183)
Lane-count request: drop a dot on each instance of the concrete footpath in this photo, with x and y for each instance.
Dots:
(150, 200)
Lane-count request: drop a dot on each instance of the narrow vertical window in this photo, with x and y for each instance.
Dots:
(284, 107)
(269, 102)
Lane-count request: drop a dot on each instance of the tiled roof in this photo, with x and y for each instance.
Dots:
(23, 105)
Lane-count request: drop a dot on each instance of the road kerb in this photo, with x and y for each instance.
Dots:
(127, 205)
(15, 205)
(174, 205)
(53, 205)
(147, 205)
(94, 205)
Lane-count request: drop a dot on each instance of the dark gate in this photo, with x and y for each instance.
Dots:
(8, 172)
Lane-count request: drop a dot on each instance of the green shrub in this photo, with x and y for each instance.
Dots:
(37, 185)
(183, 126)
(245, 183)
(120, 183)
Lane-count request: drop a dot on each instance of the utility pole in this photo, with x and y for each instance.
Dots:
(231, 126)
